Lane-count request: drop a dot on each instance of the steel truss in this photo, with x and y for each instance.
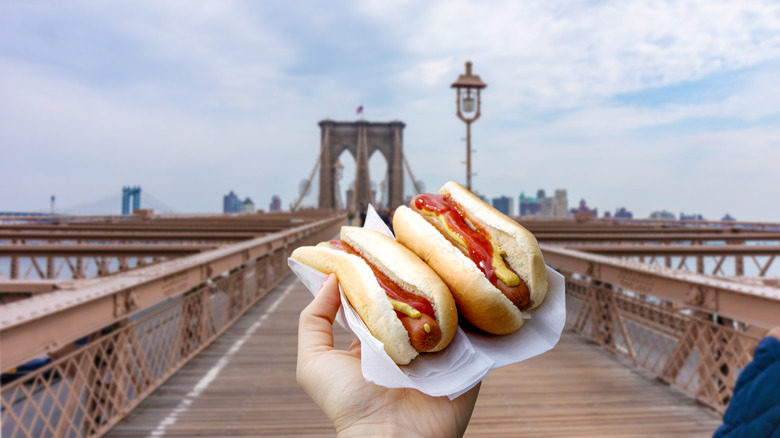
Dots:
(114, 340)
(120, 304)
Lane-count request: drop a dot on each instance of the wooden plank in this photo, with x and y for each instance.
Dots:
(254, 394)
(577, 390)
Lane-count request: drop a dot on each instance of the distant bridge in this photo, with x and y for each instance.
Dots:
(119, 202)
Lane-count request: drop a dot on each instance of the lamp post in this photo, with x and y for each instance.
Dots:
(471, 86)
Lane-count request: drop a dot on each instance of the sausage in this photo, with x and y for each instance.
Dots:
(519, 295)
(421, 339)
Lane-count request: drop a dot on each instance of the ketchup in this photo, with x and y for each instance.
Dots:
(479, 247)
(391, 289)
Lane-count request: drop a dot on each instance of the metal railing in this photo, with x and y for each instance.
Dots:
(693, 332)
(114, 340)
(154, 327)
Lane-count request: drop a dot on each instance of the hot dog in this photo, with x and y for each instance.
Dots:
(403, 303)
(492, 265)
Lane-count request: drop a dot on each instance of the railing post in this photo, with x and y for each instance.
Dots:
(14, 273)
(235, 294)
(50, 268)
(680, 354)
(707, 362)
(739, 261)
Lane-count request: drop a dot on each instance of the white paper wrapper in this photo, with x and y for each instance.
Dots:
(470, 356)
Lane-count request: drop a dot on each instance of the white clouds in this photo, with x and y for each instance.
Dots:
(194, 99)
(562, 54)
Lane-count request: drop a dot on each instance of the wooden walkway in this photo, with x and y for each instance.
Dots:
(244, 385)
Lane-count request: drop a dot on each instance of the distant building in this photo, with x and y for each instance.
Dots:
(584, 210)
(622, 213)
(542, 205)
(231, 203)
(728, 218)
(248, 206)
(504, 204)
(662, 214)
(529, 206)
(276, 204)
(691, 217)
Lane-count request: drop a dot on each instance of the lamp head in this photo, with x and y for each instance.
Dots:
(468, 80)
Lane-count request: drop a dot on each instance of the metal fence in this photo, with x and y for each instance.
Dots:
(97, 381)
(693, 333)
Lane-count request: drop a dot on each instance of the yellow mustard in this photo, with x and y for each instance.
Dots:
(405, 309)
(502, 270)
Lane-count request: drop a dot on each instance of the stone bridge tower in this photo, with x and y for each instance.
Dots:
(361, 139)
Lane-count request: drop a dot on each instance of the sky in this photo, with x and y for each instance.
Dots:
(647, 105)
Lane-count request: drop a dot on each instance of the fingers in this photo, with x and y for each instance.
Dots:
(470, 397)
(315, 326)
(355, 347)
(465, 407)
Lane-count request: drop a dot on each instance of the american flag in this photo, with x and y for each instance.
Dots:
(360, 109)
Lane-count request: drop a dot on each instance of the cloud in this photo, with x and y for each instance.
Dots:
(644, 105)
(560, 54)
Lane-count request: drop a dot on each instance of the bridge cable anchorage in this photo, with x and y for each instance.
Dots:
(414, 181)
(308, 184)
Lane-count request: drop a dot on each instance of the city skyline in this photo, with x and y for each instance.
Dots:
(644, 106)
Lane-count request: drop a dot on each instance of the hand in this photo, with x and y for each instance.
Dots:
(774, 332)
(334, 380)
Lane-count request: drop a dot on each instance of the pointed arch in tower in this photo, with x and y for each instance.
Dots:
(361, 139)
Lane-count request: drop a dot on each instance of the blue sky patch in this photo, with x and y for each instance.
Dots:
(711, 88)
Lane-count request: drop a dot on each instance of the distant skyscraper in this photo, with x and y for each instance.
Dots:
(542, 205)
(559, 204)
(584, 210)
(231, 203)
(662, 214)
(248, 206)
(691, 217)
(276, 204)
(529, 206)
(503, 204)
(622, 213)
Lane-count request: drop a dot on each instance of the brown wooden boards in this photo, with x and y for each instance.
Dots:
(577, 389)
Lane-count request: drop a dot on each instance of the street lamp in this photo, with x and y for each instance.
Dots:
(471, 85)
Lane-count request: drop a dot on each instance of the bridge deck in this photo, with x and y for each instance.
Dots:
(244, 385)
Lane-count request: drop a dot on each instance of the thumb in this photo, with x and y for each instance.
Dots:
(315, 326)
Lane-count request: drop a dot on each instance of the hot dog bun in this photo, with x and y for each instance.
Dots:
(369, 299)
(480, 302)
